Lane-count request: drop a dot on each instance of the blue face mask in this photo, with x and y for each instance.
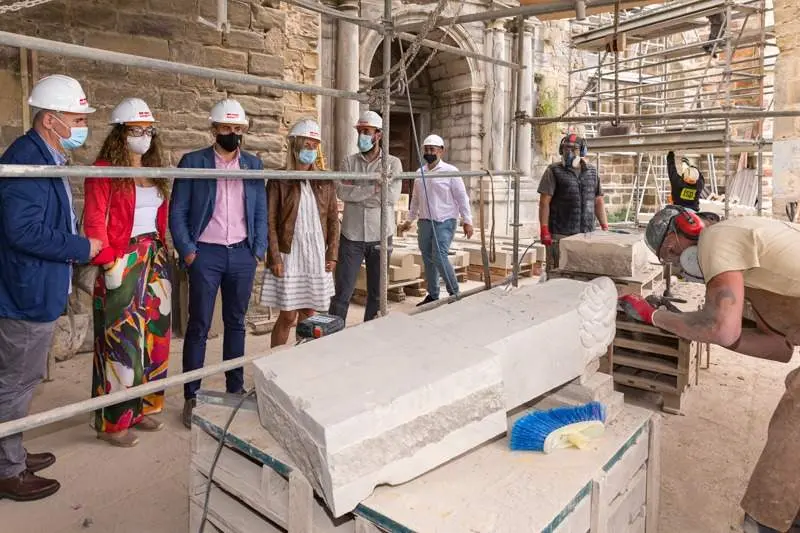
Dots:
(76, 139)
(307, 157)
(365, 143)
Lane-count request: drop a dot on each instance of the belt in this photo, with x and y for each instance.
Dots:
(240, 244)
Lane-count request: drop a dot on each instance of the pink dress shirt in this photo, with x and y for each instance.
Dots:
(228, 224)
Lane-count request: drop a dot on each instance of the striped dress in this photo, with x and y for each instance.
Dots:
(305, 284)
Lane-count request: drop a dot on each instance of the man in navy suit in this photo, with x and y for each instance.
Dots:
(219, 227)
(39, 243)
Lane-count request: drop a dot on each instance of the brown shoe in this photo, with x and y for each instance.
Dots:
(149, 423)
(186, 417)
(27, 487)
(121, 439)
(39, 461)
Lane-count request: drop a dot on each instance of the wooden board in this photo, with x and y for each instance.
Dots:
(487, 489)
(642, 284)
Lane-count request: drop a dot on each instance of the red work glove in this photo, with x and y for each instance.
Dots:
(604, 227)
(547, 239)
(637, 308)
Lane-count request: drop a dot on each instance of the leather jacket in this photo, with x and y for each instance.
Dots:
(284, 199)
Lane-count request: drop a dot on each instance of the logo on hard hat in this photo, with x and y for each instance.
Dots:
(144, 114)
(231, 115)
(83, 101)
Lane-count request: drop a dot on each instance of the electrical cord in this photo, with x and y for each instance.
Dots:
(222, 437)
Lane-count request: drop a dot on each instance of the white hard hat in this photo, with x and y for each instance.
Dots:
(228, 112)
(306, 127)
(370, 119)
(131, 110)
(59, 93)
(433, 140)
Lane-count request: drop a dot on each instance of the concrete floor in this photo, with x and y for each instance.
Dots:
(708, 452)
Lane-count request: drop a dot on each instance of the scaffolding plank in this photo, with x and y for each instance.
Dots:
(708, 141)
(590, 10)
(672, 19)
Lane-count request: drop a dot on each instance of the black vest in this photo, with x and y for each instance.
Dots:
(572, 205)
(686, 195)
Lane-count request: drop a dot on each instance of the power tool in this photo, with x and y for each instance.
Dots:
(320, 325)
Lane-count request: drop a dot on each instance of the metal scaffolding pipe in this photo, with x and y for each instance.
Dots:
(386, 173)
(322, 9)
(47, 171)
(58, 48)
(683, 115)
(459, 51)
(728, 59)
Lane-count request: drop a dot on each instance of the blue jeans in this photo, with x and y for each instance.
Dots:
(435, 257)
(231, 269)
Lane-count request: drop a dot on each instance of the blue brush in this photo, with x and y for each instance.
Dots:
(562, 427)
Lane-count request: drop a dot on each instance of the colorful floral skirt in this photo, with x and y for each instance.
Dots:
(132, 308)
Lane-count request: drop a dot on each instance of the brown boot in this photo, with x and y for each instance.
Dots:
(121, 439)
(39, 461)
(148, 423)
(186, 417)
(27, 487)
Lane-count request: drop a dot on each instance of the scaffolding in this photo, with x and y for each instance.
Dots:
(380, 98)
(669, 71)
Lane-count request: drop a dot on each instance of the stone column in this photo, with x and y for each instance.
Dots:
(525, 102)
(347, 78)
(494, 116)
(786, 136)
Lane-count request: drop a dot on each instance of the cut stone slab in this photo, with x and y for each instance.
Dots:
(388, 400)
(545, 334)
(605, 253)
(379, 403)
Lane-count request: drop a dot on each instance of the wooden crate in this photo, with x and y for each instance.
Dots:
(642, 284)
(498, 275)
(648, 358)
(398, 291)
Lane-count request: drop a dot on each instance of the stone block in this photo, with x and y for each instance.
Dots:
(176, 139)
(260, 107)
(178, 7)
(179, 100)
(264, 142)
(129, 44)
(252, 40)
(69, 335)
(182, 52)
(405, 273)
(161, 26)
(265, 18)
(266, 65)
(352, 418)
(234, 88)
(223, 58)
(94, 16)
(605, 253)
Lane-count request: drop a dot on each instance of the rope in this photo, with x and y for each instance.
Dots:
(492, 243)
(23, 4)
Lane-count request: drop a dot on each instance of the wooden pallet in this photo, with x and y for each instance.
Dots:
(642, 284)
(498, 275)
(398, 290)
(648, 358)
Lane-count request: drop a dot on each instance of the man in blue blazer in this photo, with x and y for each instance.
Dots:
(219, 227)
(38, 246)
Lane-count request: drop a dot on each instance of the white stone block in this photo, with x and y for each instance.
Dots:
(379, 403)
(605, 253)
(545, 334)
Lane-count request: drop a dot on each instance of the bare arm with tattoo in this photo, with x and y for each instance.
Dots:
(720, 319)
(720, 322)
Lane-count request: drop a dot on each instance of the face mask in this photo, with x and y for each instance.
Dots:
(568, 159)
(76, 138)
(430, 158)
(690, 265)
(576, 162)
(307, 157)
(139, 145)
(365, 143)
(229, 141)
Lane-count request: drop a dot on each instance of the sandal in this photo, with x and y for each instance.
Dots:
(148, 423)
(121, 439)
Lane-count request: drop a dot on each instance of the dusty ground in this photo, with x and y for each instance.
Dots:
(707, 453)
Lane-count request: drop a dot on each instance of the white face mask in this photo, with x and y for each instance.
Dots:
(690, 264)
(576, 162)
(139, 145)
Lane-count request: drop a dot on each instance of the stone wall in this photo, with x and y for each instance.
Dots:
(266, 39)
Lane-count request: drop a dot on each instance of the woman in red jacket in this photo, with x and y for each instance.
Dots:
(132, 293)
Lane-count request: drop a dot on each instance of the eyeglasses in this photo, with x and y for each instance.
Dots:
(138, 131)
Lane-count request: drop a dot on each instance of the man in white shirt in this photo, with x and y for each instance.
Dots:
(438, 202)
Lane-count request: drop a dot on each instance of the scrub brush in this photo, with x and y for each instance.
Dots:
(562, 427)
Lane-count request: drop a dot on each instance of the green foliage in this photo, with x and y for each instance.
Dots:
(547, 135)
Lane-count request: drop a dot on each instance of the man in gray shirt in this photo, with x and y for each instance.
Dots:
(361, 224)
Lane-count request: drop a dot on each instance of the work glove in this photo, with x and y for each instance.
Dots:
(547, 239)
(660, 301)
(604, 227)
(636, 308)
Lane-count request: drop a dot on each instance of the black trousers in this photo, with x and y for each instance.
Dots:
(351, 254)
